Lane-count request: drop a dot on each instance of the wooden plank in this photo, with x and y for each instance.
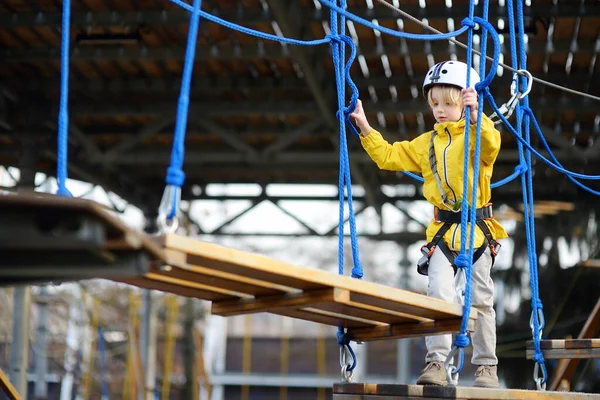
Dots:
(259, 267)
(119, 236)
(366, 311)
(272, 303)
(181, 287)
(177, 267)
(331, 300)
(564, 349)
(566, 344)
(593, 263)
(327, 318)
(567, 353)
(410, 329)
(565, 370)
(7, 388)
(361, 391)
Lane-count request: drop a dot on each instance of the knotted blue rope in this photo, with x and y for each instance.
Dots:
(462, 262)
(536, 307)
(342, 71)
(63, 112)
(175, 176)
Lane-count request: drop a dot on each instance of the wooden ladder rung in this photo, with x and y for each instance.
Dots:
(566, 348)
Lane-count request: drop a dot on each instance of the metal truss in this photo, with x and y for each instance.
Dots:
(270, 50)
(251, 16)
(209, 86)
(108, 108)
(307, 230)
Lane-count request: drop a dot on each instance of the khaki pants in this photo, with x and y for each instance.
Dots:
(441, 286)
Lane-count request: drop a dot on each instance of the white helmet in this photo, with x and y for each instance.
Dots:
(449, 73)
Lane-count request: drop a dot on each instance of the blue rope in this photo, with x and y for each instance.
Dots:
(248, 31)
(175, 175)
(392, 32)
(342, 75)
(63, 112)
(462, 261)
(529, 112)
(536, 305)
(519, 169)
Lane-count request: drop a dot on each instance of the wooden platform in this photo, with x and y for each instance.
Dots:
(567, 348)
(360, 391)
(45, 238)
(566, 368)
(48, 238)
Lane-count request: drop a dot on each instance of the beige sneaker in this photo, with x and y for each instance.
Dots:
(486, 376)
(434, 373)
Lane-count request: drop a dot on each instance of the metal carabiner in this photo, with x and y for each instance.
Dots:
(541, 320)
(529, 77)
(540, 382)
(346, 371)
(509, 107)
(451, 370)
(171, 198)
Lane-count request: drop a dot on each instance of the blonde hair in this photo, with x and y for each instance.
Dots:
(450, 94)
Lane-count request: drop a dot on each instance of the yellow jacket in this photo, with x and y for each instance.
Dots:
(449, 142)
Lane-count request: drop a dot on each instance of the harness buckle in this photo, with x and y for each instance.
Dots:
(495, 247)
(487, 211)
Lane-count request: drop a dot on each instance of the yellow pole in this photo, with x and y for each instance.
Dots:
(285, 356)
(199, 370)
(130, 382)
(87, 378)
(171, 320)
(321, 361)
(246, 355)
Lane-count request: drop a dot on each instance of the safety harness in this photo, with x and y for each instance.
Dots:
(450, 218)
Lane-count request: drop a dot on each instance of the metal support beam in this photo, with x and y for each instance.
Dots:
(249, 16)
(282, 11)
(289, 138)
(315, 159)
(41, 347)
(231, 138)
(203, 86)
(148, 344)
(145, 133)
(580, 106)
(19, 350)
(266, 50)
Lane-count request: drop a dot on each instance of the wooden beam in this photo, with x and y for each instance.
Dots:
(255, 266)
(272, 303)
(362, 391)
(565, 370)
(563, 349)
(594, 263)
(411, 329)
(7, 388)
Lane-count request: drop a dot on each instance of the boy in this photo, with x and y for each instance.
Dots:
(438, 156)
